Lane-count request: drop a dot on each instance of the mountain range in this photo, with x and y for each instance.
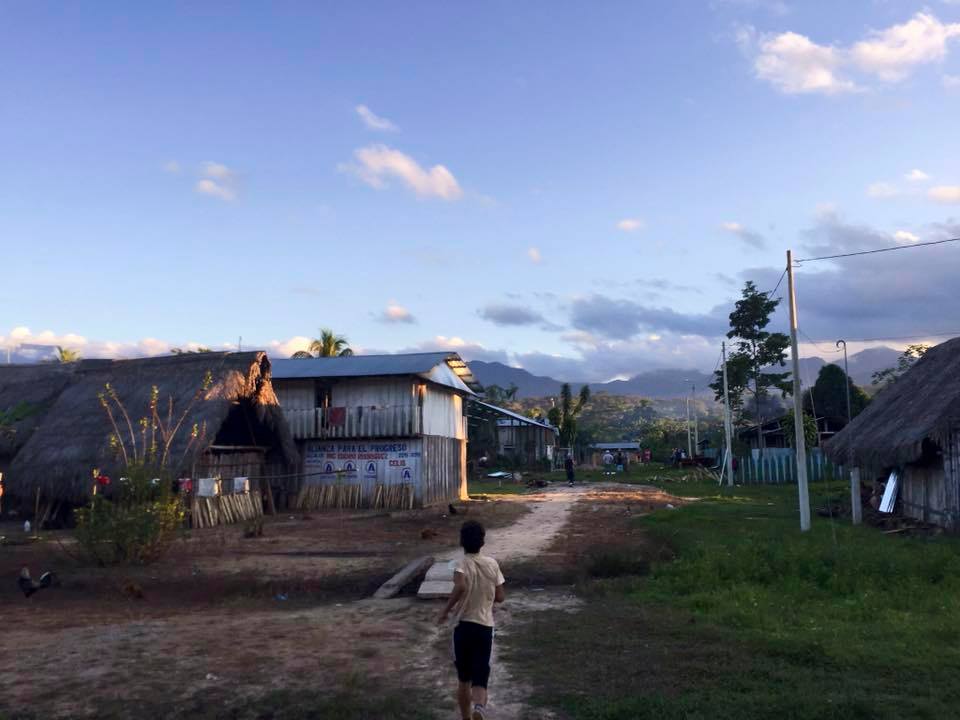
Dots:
(666, 383)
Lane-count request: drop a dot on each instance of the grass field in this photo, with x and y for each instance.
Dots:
(752, 619)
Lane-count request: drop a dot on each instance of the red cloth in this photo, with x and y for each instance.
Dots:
(338, 416)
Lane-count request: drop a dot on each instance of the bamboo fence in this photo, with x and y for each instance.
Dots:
(327, 497)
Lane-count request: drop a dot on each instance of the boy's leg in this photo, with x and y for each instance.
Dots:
(479, 695)
(464, 700)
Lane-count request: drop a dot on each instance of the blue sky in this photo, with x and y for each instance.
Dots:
(577, 188)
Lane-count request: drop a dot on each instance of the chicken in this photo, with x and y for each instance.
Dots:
(29, 586)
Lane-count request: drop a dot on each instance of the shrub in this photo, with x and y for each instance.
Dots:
(133, 524)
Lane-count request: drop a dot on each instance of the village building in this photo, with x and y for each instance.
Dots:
(912, 427)
(777, 434)
(378, 430)
(631, 452)
(60, 431)
(497, 432)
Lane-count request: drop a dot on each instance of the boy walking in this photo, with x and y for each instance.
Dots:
(477, 585)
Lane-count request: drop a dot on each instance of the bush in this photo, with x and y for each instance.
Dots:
(133, 521)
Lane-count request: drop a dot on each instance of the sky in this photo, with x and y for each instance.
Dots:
(580, 189)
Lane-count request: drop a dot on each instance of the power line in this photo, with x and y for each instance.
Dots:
(954, 333)
(778, 283)
(814, 343)
(879, 250)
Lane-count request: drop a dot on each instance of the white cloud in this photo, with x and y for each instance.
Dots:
(378, 163)
(951, 82)
(906, 237)
(374, 121)
(947, 194)
(217, 180)
(631, 224)
(396, 313)
(172, 167)
(750, 237)
(892, 53)
(916, 176)
(534, 254)
(882, 190)
(795, 64)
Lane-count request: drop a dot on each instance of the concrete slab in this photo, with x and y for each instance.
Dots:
(441, 570)
(431, 589)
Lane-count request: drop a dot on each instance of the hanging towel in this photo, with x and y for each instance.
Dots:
(338, 416)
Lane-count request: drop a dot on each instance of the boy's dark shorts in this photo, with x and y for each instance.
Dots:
(472, 644)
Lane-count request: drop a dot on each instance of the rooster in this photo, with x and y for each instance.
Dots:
(29, 586)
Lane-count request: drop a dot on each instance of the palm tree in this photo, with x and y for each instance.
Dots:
(568, 412)
(66, 355)
(329, 344)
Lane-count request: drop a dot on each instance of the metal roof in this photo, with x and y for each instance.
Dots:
(349, 366)
(512, 416)
(616, 446)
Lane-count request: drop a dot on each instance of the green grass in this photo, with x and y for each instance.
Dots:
(754, 619)
(489, 486)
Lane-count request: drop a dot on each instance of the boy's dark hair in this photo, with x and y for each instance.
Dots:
(471, 536)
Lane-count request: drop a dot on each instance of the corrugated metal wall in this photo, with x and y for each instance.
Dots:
(443, 413)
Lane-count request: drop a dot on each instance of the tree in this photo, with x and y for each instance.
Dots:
(181, 351)
(755, 350)
(828, 396)
(810, 433)
(66, 355)
(569, 410)
(906, 360)
(329, 344)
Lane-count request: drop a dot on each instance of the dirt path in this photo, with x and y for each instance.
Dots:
(534, 531)
(526, 538)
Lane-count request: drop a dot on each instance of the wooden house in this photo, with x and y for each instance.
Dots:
(497, 431)
(378, 430)
(63, 432)
(631, 451)
(913, 426)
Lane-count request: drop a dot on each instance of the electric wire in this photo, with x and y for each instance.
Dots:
(879, 250)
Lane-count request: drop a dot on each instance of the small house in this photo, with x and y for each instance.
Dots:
(233, 428)
(631, 451)
(378, 430)
(501, 432)
(913, 426)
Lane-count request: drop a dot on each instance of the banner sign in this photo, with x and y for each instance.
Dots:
(387, 462)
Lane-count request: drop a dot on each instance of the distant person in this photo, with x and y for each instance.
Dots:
(607, 461)
(477, 585)
(619, 461)
(568, 466)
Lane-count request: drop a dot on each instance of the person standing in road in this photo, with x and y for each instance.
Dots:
(477, 586)
(568, 466)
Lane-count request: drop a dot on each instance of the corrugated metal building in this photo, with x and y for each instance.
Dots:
(381, 430)
(529, 441)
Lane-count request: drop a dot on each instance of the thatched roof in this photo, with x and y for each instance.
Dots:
(73, 436)
(32, 389)
(922, 404)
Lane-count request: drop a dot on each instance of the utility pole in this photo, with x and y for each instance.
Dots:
(800, 442)
(696, 419)
(689, 437)
(856, 512)
(727, 425)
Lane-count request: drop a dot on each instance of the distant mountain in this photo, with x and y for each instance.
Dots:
(658, 384)
(668, 383)
(530, 385)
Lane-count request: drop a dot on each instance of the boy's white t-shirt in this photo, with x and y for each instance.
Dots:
(482, 576)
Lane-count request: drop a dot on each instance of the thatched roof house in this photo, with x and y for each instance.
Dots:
(913, 425)
(242, 427)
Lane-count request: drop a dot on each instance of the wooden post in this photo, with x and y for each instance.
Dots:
(803, 491)
(856, 510)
